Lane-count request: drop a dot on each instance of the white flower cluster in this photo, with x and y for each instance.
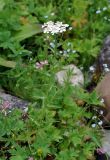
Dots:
(107, 19)
(92, 69)
(106, 69)
(100, 123)
(54, 28)
(99, 10)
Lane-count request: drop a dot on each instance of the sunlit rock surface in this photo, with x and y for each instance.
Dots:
(70, 73)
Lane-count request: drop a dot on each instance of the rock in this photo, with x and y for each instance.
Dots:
(103, 60)
(103, 90)
(102, 63)
(8, 101)
(76, 76)
(106, 142)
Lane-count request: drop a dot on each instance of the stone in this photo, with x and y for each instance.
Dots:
(106, 141)
(8, 101)
(75, 77)
(103, 90)
(102, 64)
(104, 56)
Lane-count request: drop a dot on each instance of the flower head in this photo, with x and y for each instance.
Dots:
(98, 11)
(54, 28)
(102, 100)
(105, 8)
(93, 125)
(91, 68)
(40, 65)
(100, 123)
(100, 151)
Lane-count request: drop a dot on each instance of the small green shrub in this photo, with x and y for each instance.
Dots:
(57, 129)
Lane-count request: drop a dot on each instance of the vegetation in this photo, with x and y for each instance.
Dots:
(56, 125)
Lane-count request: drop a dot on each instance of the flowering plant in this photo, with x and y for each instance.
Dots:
(54, 28)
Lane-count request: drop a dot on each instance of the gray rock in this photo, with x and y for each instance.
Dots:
(103, 90)
(8, 101)
(106, 141)
(103, 60)
(71, 73)
(102, 63)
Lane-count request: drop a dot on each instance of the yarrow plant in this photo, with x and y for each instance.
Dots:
(54, 28)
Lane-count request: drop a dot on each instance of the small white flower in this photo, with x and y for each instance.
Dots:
(60, 51)
(94, 117)
(102, 100)
(9, 111)
(100, 123)
(91, 68)
(46, 17)
(101, 112)
(74, 51)
(25, 109)
(106, 69)
(98, 11)
(93, 125)
(52, 45)
(65, 52)
(52, 14)
(69, 44)
(104, 9)
(70, 28)
(68, 50)
(105, 65)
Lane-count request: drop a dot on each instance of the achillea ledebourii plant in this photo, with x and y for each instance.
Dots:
(54, 28)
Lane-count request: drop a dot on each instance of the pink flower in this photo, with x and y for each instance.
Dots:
(100, 151)
(40, 65)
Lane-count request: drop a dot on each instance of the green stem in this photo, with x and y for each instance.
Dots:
(55, 49)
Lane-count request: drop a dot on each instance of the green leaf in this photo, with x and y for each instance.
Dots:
(19, 153)
(18, 157)
(27, 31)
(6, 63)
(2, 4)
